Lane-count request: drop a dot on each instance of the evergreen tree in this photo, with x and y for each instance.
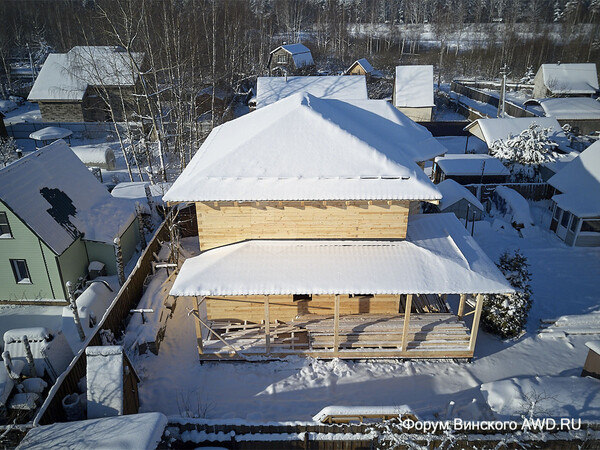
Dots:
(506, 315)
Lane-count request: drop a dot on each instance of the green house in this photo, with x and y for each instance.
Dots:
(56, 218)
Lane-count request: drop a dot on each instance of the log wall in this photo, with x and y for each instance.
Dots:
(284, 309)
(225, 223)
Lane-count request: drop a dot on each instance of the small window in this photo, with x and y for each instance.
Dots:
(281, 59)
(360, 295)
(574, 223)
(564, 222)
(5, 232)
(557, 213)
(20, 270)
(591, 226)
(300, 297)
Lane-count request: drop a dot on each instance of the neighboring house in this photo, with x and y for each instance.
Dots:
(565, 80)
(470, 169)
(204, 102)
(413, 92)
(77, 86)
(459, 200)
(3, 131)
(576, 204)
(492, 130)
(56, 218)
(581, 113)
(360, 67)
(272, 89)
(310, 244)
(291, 59)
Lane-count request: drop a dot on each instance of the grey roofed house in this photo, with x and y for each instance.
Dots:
(64, 88)
(565, 80)
(56, 218)
(576, 204)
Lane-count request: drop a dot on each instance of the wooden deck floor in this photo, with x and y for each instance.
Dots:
(434, 335)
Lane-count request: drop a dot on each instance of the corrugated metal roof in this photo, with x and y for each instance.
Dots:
(438, 257)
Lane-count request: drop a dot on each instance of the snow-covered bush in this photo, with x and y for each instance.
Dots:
(8, 151)
(506, 315)
(523, 154)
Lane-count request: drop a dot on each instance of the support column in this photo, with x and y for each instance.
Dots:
(406, 322)
(267, 327)
(336, 324)
(475, 326)
(461, 306)
(199, 337)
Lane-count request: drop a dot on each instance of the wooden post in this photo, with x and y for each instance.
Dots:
(75, 311)
(267, 327)
(336, 324)
(138, 213)
(475, 326)
(119, 260)
(29, 357)
(406, 322)
(199, 329)
(461, 306)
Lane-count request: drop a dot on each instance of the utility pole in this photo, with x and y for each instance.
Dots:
(502, 103)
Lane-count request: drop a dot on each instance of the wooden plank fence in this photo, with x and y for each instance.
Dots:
(113, 321)
(531, 191)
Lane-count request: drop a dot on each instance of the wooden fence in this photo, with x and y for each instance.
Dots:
(531, 191)
(113, 321)
(475, 94)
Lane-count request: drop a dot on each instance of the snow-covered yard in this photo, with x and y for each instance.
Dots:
(564, 283)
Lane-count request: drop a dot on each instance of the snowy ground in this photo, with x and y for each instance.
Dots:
(564, 282)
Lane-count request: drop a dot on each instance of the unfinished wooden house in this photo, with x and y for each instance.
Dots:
(86, 83)
(311, 243)
(413, 92)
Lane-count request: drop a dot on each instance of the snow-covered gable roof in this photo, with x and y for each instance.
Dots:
(305, 148)
(492, 130)
(579, 184)
(300, 53)
(580, 78)
(427, 262)
(59, 199)
(471, 164)
(366, 65)
(110, 433)
(66, 76)
(569, 108)
(272, 89)
(452, 192)
(414, 86)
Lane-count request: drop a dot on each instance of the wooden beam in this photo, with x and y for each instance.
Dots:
(336, 324)
(476, 318)
(461, 306)
(406, 322)
(199, 328)
(267, 327)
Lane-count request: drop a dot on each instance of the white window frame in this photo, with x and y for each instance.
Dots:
(5, 223)
(21, 274)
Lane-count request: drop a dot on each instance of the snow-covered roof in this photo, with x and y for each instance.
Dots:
(49, 133)
(579, 184)
(110, 433)
(569, 108)
(453, 192)
(272, 89)
(306, 148)
(366, 65)
(59, 199)
(471, 164)
(579, 78)
(438, 256)
(492, 130)
(516, 205)
(66, 76)
(414, 86)
(300, 53)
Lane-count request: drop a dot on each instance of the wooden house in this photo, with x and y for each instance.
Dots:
(272, 89)
(413, 92)
(360, 67)
(56, 218)
(79, 85)
(291, 59)
(582, 114)
(576, 204)
(469, 169)
(565, 80)
(311, 243)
